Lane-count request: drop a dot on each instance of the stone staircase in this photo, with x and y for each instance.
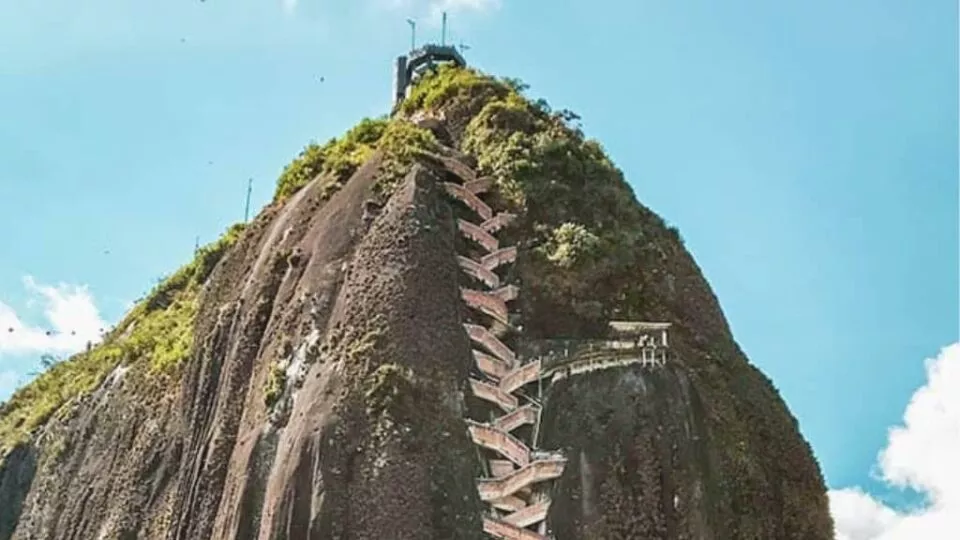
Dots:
(516, 487)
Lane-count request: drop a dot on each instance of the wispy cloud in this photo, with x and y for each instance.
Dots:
(289, 6)
(922, 454)
(72, 319)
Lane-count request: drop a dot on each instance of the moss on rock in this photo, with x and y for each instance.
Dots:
(399, 140)
(338, 158)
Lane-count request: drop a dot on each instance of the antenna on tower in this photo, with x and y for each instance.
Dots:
(246, 213)
(443, 30)
(413, 33)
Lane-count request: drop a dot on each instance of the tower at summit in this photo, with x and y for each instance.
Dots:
(409, 67)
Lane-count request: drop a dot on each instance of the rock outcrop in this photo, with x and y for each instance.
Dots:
(375, 356)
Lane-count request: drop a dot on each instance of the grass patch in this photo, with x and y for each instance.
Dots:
(449, 84)
(400, 144)
(588, 237)
(276, 383)
(338, 158)
(155, 338)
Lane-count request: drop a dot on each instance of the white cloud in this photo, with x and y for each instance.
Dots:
(289, 6)
(922, 454)
(72, 319)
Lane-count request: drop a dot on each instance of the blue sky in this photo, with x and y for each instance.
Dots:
(806, 150)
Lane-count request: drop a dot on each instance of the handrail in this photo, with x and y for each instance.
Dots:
(501, 467)
(480, 185)
(487, 303)
(534, 472)
(490, 365)
(501, 442)
(478, 272)
(469, 199)
(509, 503)
(484, 337)
(506, 531)
(520, 416)
(534, 513)
(499, 257)
(520, 377)
(506, 293)
(494, 395)
(478, 235)
(596, 364)
(498, 222)
(451, 164)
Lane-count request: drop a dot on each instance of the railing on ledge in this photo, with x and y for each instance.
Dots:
(486, 339)
(510, 503)
(630, 342)
(487, 303)
(521, 416)
(493, 394)
(523, 375)
(535, 472)
(502, 256)
(490, 365)
(506, 531)
(534, 513)
(470, 199)
(499, 441)
(498, 222)
(479, 272)
(478, 234)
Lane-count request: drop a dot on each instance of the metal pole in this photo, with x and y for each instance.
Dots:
(246, 213)
(443, 31)
(413, 33)
(536, 432)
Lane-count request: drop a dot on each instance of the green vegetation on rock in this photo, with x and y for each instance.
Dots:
(153, 340)
(276, 383)
(568, 244)
(401, 143)
(587, 234)
(391, 391)
(338, 159)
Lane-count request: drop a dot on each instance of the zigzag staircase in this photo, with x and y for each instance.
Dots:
(517, 480)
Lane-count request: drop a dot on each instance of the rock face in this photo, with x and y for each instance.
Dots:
(329, 388)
